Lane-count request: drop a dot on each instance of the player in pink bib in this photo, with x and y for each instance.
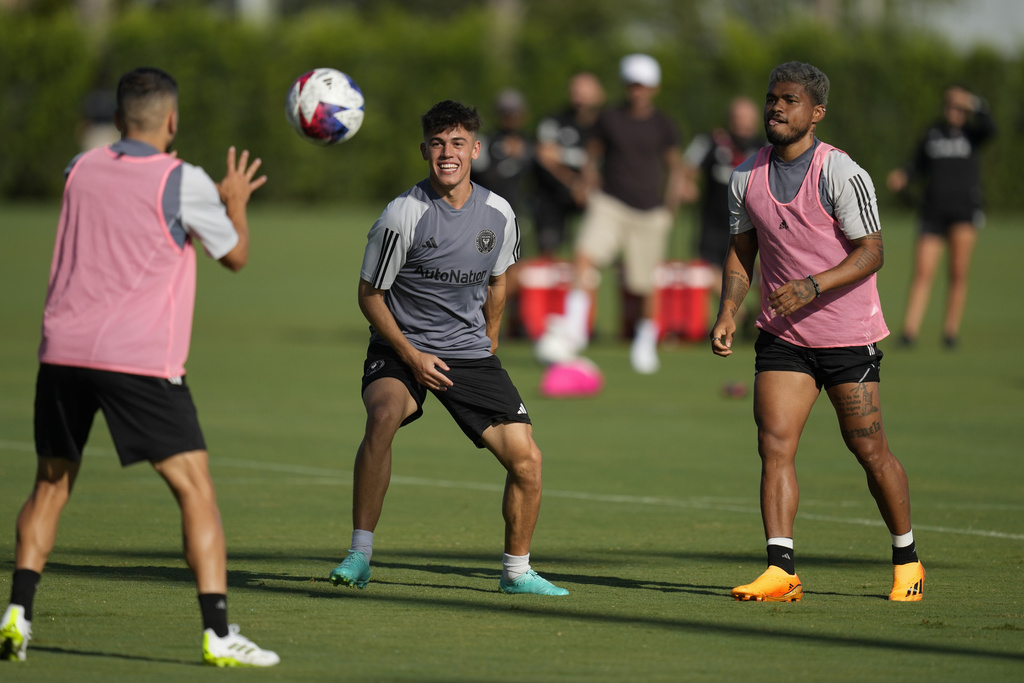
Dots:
(809, 212)
(115, 338)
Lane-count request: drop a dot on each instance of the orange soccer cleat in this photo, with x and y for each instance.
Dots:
(907, 582)
(774, 585)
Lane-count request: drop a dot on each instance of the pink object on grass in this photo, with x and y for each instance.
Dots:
(579, 377)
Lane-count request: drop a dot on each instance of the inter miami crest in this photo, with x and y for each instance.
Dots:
(485, 241)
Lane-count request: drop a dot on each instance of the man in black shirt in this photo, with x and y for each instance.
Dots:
(947, 161)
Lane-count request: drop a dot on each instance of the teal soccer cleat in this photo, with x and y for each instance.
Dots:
(354, 570)
(532, 583)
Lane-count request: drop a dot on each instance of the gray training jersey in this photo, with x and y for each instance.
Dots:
(853, 204)
(435, 262)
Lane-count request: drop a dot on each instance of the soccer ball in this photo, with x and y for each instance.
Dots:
(325, 106)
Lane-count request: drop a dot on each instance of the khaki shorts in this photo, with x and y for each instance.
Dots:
(609, 227)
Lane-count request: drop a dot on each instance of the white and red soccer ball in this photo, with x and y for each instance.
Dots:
(325, 106)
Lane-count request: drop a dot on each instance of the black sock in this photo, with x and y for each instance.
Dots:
(782, 557)
(905, 555)
(23, 589)
(214, 607)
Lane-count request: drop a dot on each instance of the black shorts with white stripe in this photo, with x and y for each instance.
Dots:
(482, 394)
(828, 367)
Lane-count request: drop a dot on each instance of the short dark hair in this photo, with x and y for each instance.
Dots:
(810, 77)
(447, 115)
(140, 89)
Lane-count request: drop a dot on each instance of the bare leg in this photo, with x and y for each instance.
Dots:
(513, 445)
(926, 260)
(188, 475)
(647, 306)
(962, 238)
(858, 407)
(40, 515)
(583, 272)
(388, 403)
(782, 403)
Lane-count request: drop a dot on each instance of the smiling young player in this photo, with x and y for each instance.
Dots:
(809, 212)
(432, 286)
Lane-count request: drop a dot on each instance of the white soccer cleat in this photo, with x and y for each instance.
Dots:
(15, 632)
(234, 649)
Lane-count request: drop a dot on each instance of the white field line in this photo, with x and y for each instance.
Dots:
(327, 476)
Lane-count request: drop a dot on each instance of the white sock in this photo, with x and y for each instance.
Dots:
(781, 541)
(362, 542)
(577, 311)
(903, 540)
(646, 332)
(514, 566)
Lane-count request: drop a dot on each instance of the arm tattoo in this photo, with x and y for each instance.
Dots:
(736, 286)
(736, 282)
(871, 256)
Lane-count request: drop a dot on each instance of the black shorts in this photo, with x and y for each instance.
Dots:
(939, 222)
(482, 393)
(828, 367)
(150, 418)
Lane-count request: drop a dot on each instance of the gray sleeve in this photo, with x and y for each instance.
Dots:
(697, 150)
(203, 214)
(71, 165)
(739, 219)
(509, 253)
(852, 196)
(389, 240)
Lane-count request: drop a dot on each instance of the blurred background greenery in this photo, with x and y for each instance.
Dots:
(235, 59)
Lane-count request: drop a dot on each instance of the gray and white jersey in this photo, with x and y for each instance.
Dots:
(853, 204)
(191, 202)
(435, 262)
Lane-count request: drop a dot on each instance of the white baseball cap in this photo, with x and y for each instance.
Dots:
(642, 69)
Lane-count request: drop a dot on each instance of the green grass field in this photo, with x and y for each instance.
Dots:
(650, 514)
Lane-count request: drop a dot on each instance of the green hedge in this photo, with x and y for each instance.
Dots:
(234, 77)
(45, 71)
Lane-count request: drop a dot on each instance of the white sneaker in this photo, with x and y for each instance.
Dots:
(15, 632)
(558, 344)
(644, 357)
(234, 649)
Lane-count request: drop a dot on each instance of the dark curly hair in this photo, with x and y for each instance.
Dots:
(810, 77)
(449, 114)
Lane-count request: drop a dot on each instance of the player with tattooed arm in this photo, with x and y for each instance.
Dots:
(810, 213)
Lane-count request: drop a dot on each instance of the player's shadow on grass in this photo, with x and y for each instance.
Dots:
(752, 565)
(113, 655)
(154, 573)
(426, 562)
(459, 565)
(489, 574)
(491, 602)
